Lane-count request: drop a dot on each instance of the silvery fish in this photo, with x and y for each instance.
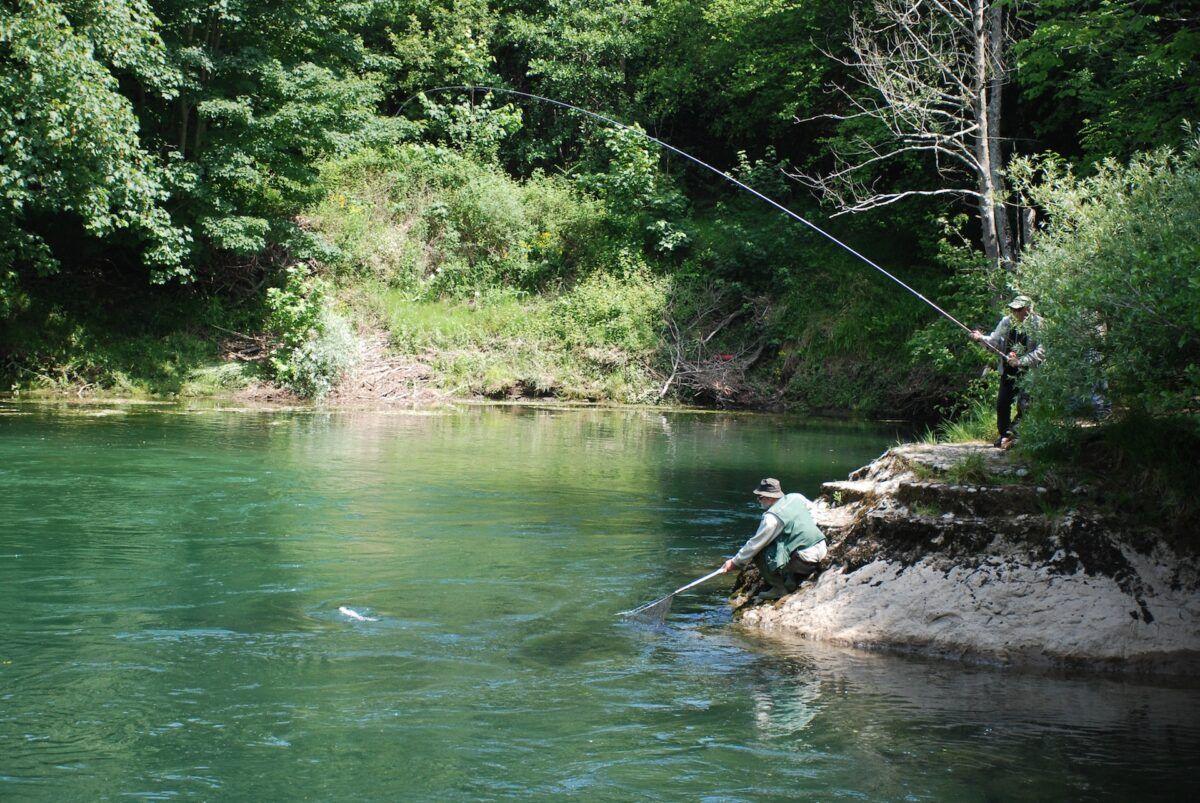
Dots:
(355, 615)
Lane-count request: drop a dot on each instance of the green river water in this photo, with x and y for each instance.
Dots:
(170, 582)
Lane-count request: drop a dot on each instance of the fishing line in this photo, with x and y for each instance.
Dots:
(707, 166)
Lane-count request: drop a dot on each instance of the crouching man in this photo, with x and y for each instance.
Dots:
(788, 546)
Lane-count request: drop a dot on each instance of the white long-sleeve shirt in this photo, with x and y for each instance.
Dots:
(768, 529)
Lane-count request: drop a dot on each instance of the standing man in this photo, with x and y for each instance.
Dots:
(1017, 337)
(788, 546)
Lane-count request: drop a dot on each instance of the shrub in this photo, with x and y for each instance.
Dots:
(567, 231)
(612, 311)
(1115, 277)
(313, 368)
(643, 204)
(439, 223)
(316, 347)
(969, 294)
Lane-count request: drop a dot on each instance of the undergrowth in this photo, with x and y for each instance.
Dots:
(1142, 468)
(972, 418)
(154, 344)
(554, 286)
(596, 341)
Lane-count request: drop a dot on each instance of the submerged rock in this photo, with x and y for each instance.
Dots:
(941, 549)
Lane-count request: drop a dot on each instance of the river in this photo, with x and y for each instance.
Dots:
(171, 578)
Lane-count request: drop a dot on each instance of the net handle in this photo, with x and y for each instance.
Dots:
(680, 590)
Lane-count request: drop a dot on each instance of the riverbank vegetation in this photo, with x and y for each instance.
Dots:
(200, 197)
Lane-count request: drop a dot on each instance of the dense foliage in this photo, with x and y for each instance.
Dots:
(224, 148)
(1103, 78)
(69, 139)
(1118, 275)
(432, 221)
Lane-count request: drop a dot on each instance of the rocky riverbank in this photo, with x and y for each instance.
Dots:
(955, 550)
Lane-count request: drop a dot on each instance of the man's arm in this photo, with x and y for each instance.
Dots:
(768, 528)
(997, 337)
(1038, 355)
(1035, 357)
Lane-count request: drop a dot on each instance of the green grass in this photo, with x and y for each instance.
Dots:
(140, 368)
(976, 423)
(153, 343)
(971, 470)
(178, 364)
(218, 379)
(926, 509)
(415, 324)
(502, 344)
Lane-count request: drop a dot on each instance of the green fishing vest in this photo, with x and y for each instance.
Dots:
(799, 531)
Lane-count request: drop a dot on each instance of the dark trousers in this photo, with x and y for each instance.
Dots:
(1004, 399)
(791, 576)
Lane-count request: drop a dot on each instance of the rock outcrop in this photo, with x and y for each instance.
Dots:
(954, 550)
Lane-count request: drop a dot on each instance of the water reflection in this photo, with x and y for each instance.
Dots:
(991, 734)
(787, 706)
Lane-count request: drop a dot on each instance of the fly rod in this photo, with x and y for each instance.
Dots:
(624, 127)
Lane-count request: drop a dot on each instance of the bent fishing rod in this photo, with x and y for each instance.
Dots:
(624, 127)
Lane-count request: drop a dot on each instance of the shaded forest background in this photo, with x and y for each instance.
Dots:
(201, 194)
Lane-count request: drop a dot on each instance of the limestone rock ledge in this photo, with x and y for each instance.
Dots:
(952, 550)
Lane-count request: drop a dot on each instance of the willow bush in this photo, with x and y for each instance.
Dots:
(1116, 276)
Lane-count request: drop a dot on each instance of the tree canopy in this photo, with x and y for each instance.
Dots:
(186, 133)
(191, 143)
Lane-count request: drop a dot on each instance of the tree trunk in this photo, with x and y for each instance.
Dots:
(984, 138)
(213, 40)
(1028, 222)
(987, 220)
(184, 109)
(184, 113)
(995, 49)
(198, 141)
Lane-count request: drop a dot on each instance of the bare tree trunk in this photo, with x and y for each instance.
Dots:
(1028, 221)
(996, 78)
(985, 137)
(931, 74)
(987, 220)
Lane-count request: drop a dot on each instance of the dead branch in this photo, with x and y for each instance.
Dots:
(930, 73)
(703, 364)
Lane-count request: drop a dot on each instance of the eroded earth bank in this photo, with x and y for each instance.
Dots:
(955, 550)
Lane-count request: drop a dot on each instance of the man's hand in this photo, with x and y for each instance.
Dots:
(728, 566)
(978, 336)
(1012, 359)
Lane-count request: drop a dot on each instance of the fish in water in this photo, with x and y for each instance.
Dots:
(355, 615)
